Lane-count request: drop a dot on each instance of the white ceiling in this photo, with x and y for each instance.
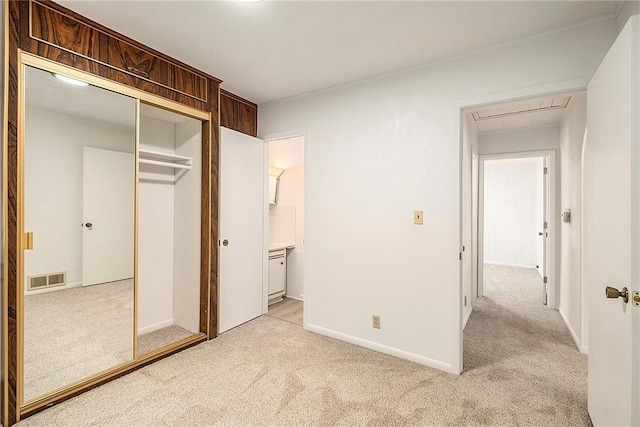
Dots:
(534, 112)
(44, 91)
(272, 50)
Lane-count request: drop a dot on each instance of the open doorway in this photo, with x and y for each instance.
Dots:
(514, 222)
(514, 156)
(285, 225)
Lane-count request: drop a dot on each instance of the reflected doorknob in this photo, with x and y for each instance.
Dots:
(614, 293)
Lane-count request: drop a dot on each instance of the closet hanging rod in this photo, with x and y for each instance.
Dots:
(167, 164)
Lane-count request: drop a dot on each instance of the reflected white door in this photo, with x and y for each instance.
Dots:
(241, 226)
(466, 227)
(612, 231)
(546, 222)
(108, 198)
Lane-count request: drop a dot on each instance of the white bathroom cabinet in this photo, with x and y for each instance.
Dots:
(277, 273)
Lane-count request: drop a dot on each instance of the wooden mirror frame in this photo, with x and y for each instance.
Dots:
(22, 50)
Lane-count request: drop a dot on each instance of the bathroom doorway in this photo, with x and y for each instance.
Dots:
(285, 228)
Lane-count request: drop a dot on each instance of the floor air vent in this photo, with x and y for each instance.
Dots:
(47, 281)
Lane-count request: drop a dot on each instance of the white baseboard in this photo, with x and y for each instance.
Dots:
(53, 288)
(381, 348)
(584, 349)
(504, 264)
(571, 331)
(295, 298)
(155, 327)
(466, 318)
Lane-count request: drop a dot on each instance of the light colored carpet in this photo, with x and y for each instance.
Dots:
(73, 333)
(289, 310)
(523, 369)
(161, 337)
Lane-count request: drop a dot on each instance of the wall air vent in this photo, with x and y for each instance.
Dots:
(46, 281)
(525, 107)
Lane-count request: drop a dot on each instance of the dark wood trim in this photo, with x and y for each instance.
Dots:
(214, 162)
(11, 251)
(56, 33)
(205, 223)
(237, 98)
(238, 114)
(53, 5)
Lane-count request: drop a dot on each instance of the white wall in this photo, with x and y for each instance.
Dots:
(511, 209)
(53, 161)
(155, 229)
(378, 150)
(513, 141)
(288, 154)
(571, 143)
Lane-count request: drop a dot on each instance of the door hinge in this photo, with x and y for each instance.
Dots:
(460, 256)
(545, 279)
(546, 225)
(546, 171)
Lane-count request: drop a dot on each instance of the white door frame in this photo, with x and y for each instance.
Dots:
(554, 213)
(307, 238)
(457, 136)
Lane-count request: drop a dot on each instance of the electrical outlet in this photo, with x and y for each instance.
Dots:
(376, 321)
(417, 217)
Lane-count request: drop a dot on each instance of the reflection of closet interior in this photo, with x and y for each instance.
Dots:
(169, 224)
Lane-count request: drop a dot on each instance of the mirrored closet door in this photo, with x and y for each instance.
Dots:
(79, 184)
(114, 267)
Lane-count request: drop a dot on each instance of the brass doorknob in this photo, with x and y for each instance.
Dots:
(88, 225)
(614, 293)
(225, 242)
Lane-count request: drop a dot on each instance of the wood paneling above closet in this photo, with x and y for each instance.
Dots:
(56, 33)
(238, 114)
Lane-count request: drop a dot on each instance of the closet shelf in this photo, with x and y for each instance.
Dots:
(164, 159)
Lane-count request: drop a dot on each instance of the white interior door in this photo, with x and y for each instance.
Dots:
(108, 198)
(466, 227)
(540, 215)
(612, 232)
(241, 226)
(546, 222)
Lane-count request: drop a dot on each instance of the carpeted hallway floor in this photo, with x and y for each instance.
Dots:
(521, 369)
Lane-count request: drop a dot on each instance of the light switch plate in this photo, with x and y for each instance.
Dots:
(417, 217)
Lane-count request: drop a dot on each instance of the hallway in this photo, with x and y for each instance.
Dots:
(524, 350)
